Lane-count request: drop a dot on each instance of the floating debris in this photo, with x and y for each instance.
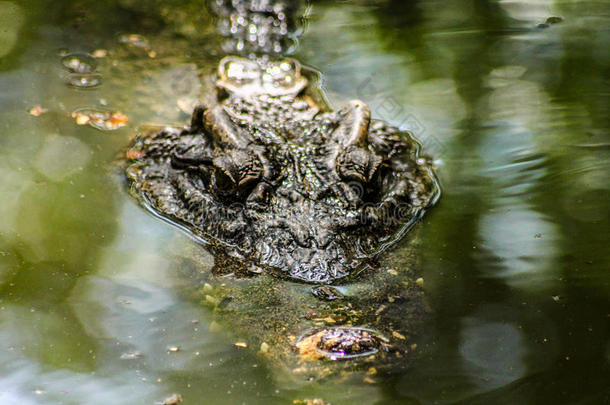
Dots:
(84, 80)
(554, 20)
(550, 21)
(100, 53)
(315, 401)
(241, 344)
(131, 355)
(212, 300)
(79, 63)
(264, 347)
(134, 154)
(340, 343)
(37, 111)
(326, 293)
(173, 349)
(420, 282)
(173, 399)
(137, 40)
(82, 68)
(398, 335)
(381, 308)
(103, 120)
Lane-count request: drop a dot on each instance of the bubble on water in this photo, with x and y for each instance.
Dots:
(84, 80)
(79, 63)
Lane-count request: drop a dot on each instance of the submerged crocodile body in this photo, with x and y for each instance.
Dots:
(271, 177)
(286, 192)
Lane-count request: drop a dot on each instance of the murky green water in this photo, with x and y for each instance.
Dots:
(515, 256)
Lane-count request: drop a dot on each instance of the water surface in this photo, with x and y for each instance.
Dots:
(515, 256)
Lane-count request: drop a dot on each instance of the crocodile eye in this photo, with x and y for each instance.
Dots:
(223, 179)
(236, 171)
(357, 164)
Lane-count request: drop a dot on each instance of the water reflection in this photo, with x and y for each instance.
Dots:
(492, 351)
(525, 245)
(75, 156)
(11, 20)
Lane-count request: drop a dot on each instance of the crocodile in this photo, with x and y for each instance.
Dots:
(271, 178)
(295, 200)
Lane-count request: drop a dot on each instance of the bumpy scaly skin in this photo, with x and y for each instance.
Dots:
(275, 179)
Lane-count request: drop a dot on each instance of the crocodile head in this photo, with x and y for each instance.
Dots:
(273, 177)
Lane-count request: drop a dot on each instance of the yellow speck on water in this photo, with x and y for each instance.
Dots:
(398, 335)
(241, 344)
(211, 300)
(173, 399)
(82, 119)
(173, 349)
(207, 288)
(371, 371)
(103, 120)
(37, 111)
(315, 401)
(369, 380)
(420, 282)
(414, 346)
(100, 53)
